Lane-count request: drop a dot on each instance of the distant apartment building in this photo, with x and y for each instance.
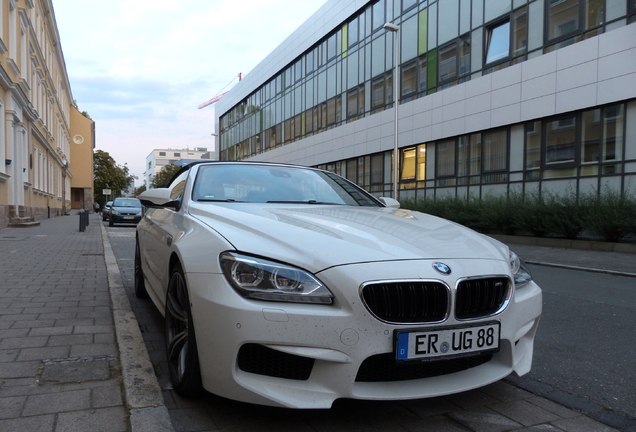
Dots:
(46, 145)
(159, 158)
(495, 96)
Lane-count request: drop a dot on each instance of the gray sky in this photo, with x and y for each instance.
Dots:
(140, 68)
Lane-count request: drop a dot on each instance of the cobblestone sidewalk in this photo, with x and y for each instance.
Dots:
(59, 363)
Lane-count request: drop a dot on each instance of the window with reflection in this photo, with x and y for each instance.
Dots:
(560, 140)
(533, 150)
(409, 80)
(562, 18)
(445, 160)
(498, 42)
(590, 141)
(378, 15)
(422, 74)
(377, 168)
(495, 150)
(407, 4)
(378, 94)
(448, 64)
(613, 127)
(352, 32)
(408, 164)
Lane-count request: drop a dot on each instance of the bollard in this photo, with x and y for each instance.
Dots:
(82, 220)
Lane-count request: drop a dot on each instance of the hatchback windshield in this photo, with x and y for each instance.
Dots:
(275, 184)
(127, 202)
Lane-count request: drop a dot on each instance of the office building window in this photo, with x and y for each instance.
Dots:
(162, 153)
(498, 42)
(560, 140)
(563, 18)
(445, 158)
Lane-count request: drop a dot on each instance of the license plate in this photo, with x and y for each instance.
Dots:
(129, 217)
(446, 342)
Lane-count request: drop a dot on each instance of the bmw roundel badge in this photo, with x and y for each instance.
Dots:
(442, 268)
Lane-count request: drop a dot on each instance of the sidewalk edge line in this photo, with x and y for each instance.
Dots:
(587, 269)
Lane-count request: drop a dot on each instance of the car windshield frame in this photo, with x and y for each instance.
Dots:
(276, 184)
(126, 202)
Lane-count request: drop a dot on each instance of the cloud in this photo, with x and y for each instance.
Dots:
(141, 68)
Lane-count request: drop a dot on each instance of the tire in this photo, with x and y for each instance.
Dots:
(110, 222)
(181, 345)
(140, 283)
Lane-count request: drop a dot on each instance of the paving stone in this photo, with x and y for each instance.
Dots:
(524, 412)
(93, 349)
(22, 369)
(29, 424)
(95, 420)
(107, 396)
(582, 424)
(8, 355)
(23, 342)
(76, 371)
(484, 420)
(66, 401)
(43, 353)
(11, 407)
(70, 339)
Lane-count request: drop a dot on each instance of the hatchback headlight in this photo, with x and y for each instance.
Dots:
(261, 279)
(113, 211)
(520, 270)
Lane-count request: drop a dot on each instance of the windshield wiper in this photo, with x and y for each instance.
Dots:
(303, 202)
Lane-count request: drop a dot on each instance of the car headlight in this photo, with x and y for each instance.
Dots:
(261, 279)
(520, 270)
(113, 211)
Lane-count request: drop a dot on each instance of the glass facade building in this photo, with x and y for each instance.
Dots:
(494, 95)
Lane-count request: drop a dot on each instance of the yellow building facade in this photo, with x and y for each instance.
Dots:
(38, 120)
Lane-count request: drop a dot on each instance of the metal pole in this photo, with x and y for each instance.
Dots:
(396, 83)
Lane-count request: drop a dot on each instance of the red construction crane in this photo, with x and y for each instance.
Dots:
(219, 96)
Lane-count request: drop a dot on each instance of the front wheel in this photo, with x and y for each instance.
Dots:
(110, 222)
(181, 345)
(140, 284)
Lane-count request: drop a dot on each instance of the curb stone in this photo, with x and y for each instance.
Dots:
(143, 394)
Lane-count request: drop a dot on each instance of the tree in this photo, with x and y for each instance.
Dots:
(109, 175)
(163, 177)
(140, 190)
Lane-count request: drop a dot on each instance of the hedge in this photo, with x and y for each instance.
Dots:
(608, 215)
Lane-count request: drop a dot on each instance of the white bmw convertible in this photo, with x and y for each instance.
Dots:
(291, 286)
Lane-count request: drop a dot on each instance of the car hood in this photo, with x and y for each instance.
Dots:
(316, 237)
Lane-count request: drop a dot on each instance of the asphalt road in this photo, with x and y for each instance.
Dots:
(586, 343)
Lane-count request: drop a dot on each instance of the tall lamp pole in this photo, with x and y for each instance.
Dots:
(395, 29)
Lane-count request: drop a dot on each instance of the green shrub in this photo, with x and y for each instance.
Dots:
(610, 214)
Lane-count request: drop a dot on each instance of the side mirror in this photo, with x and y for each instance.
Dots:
(159, 197)
(390, 202)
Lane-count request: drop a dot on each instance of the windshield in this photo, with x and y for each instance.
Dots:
(127, 202)
(275, 184)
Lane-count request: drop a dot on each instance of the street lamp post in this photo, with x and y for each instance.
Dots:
(395, 29)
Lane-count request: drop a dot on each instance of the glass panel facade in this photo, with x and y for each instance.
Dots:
(309, 94)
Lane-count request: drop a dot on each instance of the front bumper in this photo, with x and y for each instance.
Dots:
(307, 356)
(124, 218)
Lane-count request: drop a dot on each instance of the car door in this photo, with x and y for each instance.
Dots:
(161, 227)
